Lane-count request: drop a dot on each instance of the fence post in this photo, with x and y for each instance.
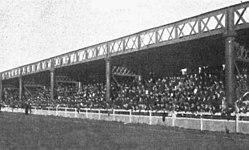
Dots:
(150, 113)
(237, 123)
(173, 119)
(130, 115)
(34, 110)
(75, 112)
(201, 119)
(48, 111)
(99, 114)
(86, 112)
(113, 114)
(56, 111)
(42, 111)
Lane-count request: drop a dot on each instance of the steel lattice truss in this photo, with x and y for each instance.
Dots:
(204, 25)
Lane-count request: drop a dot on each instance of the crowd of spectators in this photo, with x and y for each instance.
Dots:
(196, 92)
(39, 96)
(89, 96)
(11, 96)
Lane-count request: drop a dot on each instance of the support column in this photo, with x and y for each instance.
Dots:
(52, 82)
(229, 58)
(108, 80)
(229, 62)
(20, 88)
(1, 89)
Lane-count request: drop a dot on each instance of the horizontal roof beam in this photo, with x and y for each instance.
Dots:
(207, 24)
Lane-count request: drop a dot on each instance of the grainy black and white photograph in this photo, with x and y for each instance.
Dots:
(124, 74)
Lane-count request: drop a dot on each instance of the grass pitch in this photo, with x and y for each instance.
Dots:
(19, 131)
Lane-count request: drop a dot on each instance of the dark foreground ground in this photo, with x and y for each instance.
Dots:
(19, 131)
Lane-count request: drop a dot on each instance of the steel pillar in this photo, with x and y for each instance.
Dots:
(229, 58)
(1, 89)
(52, 82)
(108, 80)
(229, 62)
(20, 88)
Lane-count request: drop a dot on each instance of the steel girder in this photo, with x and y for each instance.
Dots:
(208, 24)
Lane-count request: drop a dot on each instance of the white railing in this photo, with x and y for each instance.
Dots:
(115, 111)
(143, 116)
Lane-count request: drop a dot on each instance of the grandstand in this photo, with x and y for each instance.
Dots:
(196, 65)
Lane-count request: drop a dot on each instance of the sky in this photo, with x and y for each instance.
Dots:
(33, 30)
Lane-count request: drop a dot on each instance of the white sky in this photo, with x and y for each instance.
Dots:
(32, 30)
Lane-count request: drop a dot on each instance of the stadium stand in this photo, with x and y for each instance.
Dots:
(192, 92)
(195, 68)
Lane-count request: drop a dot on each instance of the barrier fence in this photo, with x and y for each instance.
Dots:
(200, 121)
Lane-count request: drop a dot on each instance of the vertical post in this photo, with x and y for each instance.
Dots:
(1, 89)
(65, 112)
(108, 80)
(156, 36)
(139, 41)
(150, 117)
(99, 114)
(229, 57)
(75, 112)
(124, 44)
(237, 123)
(108, 77)
(201, 119)
(35, 110)
(56, 110)
(20, 88)
(113, 114)
(86, 112)
(173, 118)
(176, 32)
(49, 111)
(52, 82)
(130, 116)
(199, 25)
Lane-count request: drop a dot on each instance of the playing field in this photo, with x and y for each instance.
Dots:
(19, 131)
